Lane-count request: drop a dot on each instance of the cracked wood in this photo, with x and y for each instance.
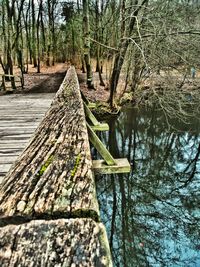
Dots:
(63, 242)
(54, 175)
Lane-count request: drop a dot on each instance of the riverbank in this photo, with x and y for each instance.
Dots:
(174, 94)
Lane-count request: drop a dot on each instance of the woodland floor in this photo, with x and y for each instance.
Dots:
(50, 78)
(98, 94)
(48, 81)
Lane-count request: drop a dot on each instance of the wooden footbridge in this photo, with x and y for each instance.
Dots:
(49, 214)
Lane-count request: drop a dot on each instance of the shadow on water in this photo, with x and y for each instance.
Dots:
(152, 216)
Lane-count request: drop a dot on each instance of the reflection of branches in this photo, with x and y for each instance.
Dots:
(114, 207)
(150, 223)
(193, 163)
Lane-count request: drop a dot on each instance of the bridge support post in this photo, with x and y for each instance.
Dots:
(108, 165)
(94, 139)
(96, 125)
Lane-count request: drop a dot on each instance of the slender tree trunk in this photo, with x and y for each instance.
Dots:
(123, 46)
(27, 32)
(33, 35)
(9, 65)
(4, 31)
(42, 30)
(98, 68)
(86, 36)
(38, 38)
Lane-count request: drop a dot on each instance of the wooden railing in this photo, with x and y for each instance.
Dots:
(11, 82)
(49, 214)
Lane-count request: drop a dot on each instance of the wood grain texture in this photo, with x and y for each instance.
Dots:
(19, 117)
(54, 175)
(63, 242)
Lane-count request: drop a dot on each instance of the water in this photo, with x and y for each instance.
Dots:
(152, 215)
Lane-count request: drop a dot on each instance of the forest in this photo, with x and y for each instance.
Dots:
(142, 50)
(137, 59)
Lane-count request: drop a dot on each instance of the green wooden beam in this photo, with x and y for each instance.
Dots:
(94, 139)
(91, 105)
(88, 105)
(85, 100)
(96, 125)
(100, 127)
(122, 166)
(89, 114)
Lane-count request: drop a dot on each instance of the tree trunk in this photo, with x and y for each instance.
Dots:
(42, 30)
(98, 68)
(33, 35)
(38, 37)
(123, 46)
(86, 37)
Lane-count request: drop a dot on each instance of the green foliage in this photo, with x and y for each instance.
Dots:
(68, 11)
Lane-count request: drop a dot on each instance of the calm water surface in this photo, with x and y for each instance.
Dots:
(152, 215)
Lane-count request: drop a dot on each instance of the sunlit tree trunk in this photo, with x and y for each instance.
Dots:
(33, 35)
(86, 46)
(98, 68)
(126, 31)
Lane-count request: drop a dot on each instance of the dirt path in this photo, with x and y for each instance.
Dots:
(48, 81)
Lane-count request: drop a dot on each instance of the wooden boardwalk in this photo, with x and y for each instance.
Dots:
(49, 213)
(19, 117)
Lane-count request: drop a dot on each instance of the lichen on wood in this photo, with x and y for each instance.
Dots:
(60, 243)
(54, 173)
(49, 214)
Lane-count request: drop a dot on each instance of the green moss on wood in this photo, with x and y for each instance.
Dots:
(45, 166)
(77, 161)
(64, 200)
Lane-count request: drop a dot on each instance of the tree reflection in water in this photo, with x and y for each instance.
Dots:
(152, 216)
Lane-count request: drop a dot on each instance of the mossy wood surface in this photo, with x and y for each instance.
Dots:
(96, 125)
(53, 177)
(63, 242)
(94, 139)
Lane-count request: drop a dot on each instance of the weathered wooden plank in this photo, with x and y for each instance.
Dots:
(5, 167)
(7, 159)
(2, 174)
(18, 131)
(122, 166)
(12, 142)
(61, 243)
(15, 137)
(94, 139)
(54, 174)
(17, 117)
(21, 114)
(18, 125)
(7, 152)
